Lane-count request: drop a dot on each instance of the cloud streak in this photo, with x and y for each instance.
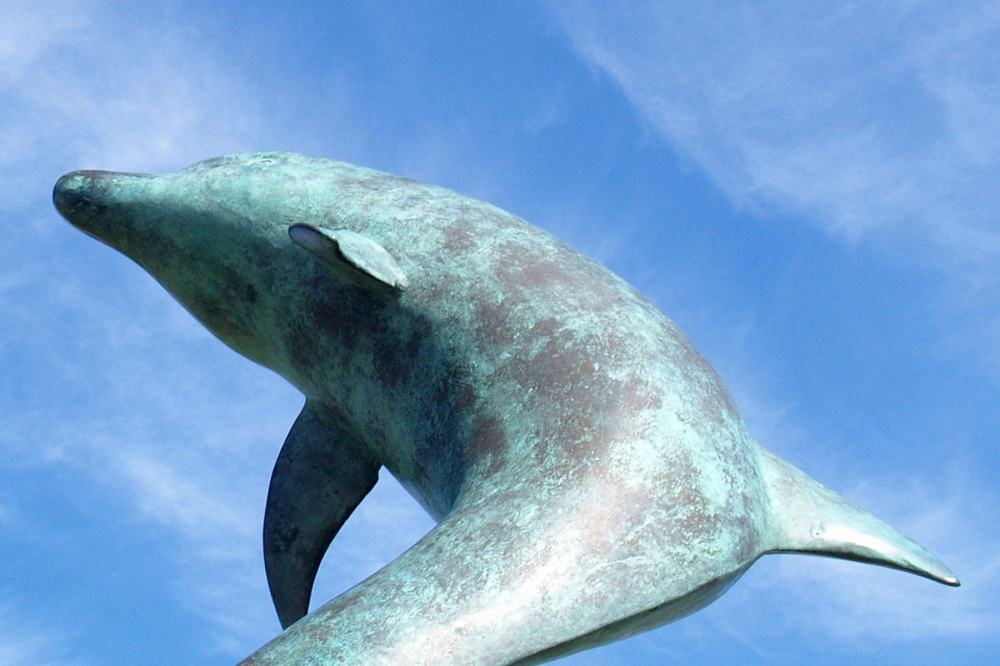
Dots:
(857, 117)
(83, 83)
(23, 644)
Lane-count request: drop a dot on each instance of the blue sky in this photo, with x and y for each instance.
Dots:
(810, 193)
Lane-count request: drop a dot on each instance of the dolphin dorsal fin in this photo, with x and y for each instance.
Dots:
(808, 517)
(335, 246)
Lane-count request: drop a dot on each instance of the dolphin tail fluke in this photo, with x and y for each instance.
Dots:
(808, 517)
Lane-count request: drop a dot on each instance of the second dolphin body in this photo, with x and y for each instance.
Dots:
(590, 474)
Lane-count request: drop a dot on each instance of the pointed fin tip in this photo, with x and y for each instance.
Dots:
(808, 517)
(879, 544)
(950, 580)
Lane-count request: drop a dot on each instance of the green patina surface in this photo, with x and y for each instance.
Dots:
(589, 471)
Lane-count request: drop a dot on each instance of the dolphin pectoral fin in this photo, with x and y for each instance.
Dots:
(320, 476)
(808, 517)
(335, 246)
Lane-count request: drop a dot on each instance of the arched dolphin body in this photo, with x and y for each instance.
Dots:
(590, 474)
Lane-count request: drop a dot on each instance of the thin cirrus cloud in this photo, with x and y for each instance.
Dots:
(82, 85)
(26, 644)
(856, 116)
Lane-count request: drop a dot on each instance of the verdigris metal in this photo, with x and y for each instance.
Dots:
(589, 471)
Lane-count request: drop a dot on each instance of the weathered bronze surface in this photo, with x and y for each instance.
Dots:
(590, 474)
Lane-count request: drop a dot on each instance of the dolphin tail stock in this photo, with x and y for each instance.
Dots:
(808, 517)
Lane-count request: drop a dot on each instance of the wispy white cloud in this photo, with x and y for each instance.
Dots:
(856, 116)
(30, 29)
(25, 644)
(156, 418)
(83, 83)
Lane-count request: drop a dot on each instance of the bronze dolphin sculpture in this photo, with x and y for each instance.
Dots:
(589, 472)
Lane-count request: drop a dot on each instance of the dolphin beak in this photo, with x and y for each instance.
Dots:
(100, 203)
(82, 198)
(76, 195)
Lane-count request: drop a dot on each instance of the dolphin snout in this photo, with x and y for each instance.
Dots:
(78, 196)
(100, 203)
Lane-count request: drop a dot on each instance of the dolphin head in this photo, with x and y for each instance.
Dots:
(214, 259)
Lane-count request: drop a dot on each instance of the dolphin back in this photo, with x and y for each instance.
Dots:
(808, 517)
